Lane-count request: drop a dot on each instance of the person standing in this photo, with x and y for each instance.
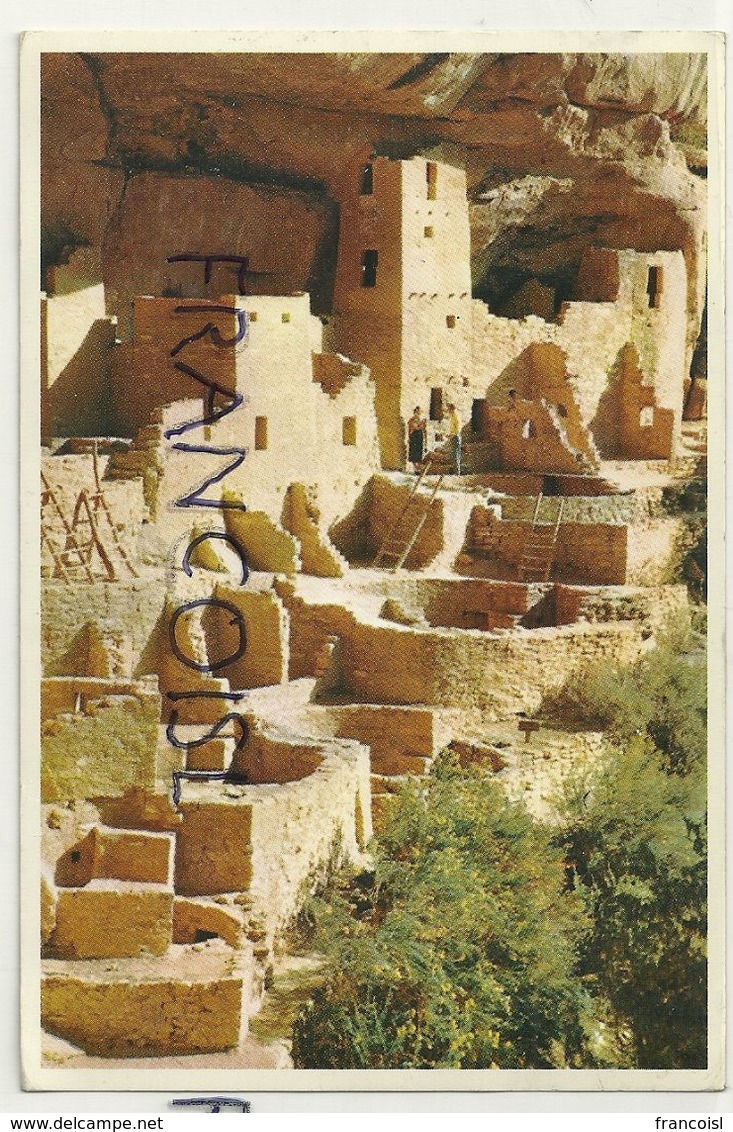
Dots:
(453, 423)
(417, 429)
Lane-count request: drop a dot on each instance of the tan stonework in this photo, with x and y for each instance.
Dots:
(195, 791)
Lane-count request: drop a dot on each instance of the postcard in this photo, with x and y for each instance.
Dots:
(366, 657)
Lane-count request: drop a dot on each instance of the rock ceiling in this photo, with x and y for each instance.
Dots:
(560, 150)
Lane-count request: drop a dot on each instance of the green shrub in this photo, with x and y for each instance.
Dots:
(458, 950)
(663, 696)
(636, 844)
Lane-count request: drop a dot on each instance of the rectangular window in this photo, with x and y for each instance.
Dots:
(369, 268)
(431, 173)
(646, 417)
(367, 181)
(260, 433)
(286, 316)
(429, 231)
(654, 286)
(436, 404)
(252, 316)
(477, 415)
(450, 321)
(348, 430)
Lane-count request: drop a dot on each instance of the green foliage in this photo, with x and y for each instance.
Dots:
(482, 940)
(636, 841)
(458, 950)
(688, 500)
(693, 558)
(662, 697)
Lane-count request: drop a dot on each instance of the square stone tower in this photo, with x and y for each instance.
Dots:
(402, 300)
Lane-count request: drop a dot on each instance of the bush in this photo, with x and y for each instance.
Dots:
(636, 844)
(688, 500)
(458, 950)
(663, 696)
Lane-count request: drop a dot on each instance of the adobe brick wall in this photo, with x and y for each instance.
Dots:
(473, 669)
(268, 839)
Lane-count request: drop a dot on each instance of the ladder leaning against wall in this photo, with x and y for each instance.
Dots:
(538, 555)
(403, 532)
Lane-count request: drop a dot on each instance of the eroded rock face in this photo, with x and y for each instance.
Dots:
(78, 190)
(283, 234)
(561, 151)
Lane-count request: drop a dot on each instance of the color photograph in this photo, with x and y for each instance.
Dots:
(369, 566)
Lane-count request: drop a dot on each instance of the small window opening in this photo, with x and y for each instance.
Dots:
(646, 417)
(436, 404)
(369, 268)
(561, 411)
(477, 415)
(252, 316)
(450, 321)
(429, 231)
(529, 431)
(431, 173)
(654, 286)
(201, 936)
(286, 316)
(75, 855)
(348, 430)
(367, 181)
(260, 433)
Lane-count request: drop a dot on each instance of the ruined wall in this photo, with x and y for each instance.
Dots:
(147, 1006)
(646, 431)
(151, 379)
(310, 628)
(400, 740)
(130, 607)
(652, 552)
(659, 606)
(614, 293)
(531, 436)
(584, 552)
(78, 342)
(293, 429)
(102, 749)
(269, 839)
(474, 669)
(318, 555)
(265, 660)
(387, 502)
(450, 601)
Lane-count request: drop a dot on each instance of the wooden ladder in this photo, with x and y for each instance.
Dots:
(83, 535)
(99, 503)
(538, 555)
(400, 537)
(61, 559)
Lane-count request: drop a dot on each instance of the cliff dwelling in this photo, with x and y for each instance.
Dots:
(264, 607)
